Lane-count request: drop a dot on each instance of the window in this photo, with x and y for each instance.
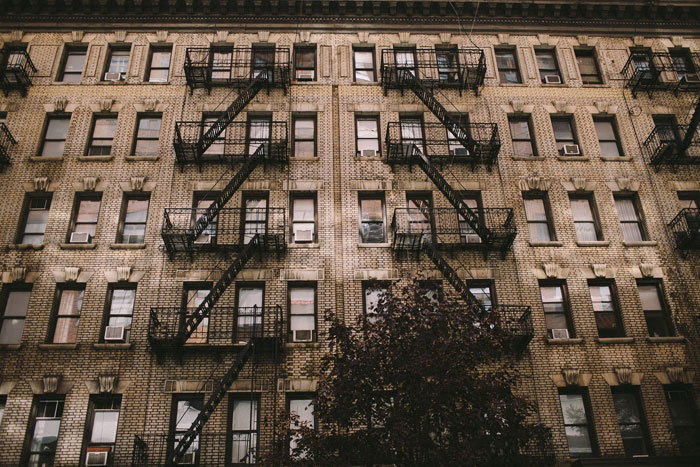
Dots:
(221, 63)
(303, 218)
(243, 420)
(43, 430)
(522, 137)
(585, 218)
(103, 128)
(372, 292)
(588, 66)
(201, 203)
(147, 135)
(133, 219)
(304, 137)
(565, 136)
(633, 428)
(447, 63)
(67, 314)
(305, 63)
(667, 128)
(117, 63)
(605, 309)
(184, 411)
(263, 59)
(684, 417)
(103, 419)
(249, 313)
(3, 403)
(372, 218)
(255, 216)
(467, 234)
(301, 408)
(577, 422)
(507, 65)
(84, 221)
(14, 303)
(538, 219)
(630, 219)
(655, 309)
(548, 66)
(607, 137)
(431, 290)
(218, 146)
(412, 132)
(119, 312)
(367, 136)
(453, 145)
(36, 213)
(556, 310)
(302, 311)
(194, 295)
(689, 199)
(364, 65)
(258, 132)
(420, 212)
(73, 65)
(54, 141)
(159, 65)
(483, 292)
(405, 59)
(682, 63)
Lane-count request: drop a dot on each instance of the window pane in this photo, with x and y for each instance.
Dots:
(367, 129)
(581, 210)
(245, 415)
(17, 303)
(122, 301)
(609, 149)
(626, 408)
(523, 148)
(303, 209)
(136, 210)
(649, 296)
(158, 76)
(119, 62)
(505, 60)
(551, 294)
(539, 232)
(371, 210)
(304, 149)
(11, 332)
(302, 300)
(579, 440)
(562, 130)
(626, 209)
(305, 58)
(149, 127)
(535, 210)
(160, 59)
(88, 211)
(57, 128)
(74, 62)
(519, 129)
(362, 75)
(104, 427)
(363, 59)
(605, 129)
(45, 436)
(71, 302)
(250, 297)
(303, 408)
(573, 408)
(53, 148)
(304, 129)
(187, 413)
(104, 127)
(146, 148)
(302, 322)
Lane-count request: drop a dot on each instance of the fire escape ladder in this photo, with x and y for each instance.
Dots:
(469, 216)
(451, 275)
(232, 112)
(204, 308)
(217, 395)
(692, 127)
(406, 76)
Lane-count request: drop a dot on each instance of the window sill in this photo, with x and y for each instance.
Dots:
(46, 158)
(598, 243)
(303, 245)
(106, 346)
(96, 158)
(127, 246)
(554, 85)
(67, 83)
(305, 159)
(614, 340)
(305, 82)
(302, 345)
(590, 85)
(527, 158)
(666, 340)
(638, 244)
(364, 159)
(10, 346)
(141, 158)
(374, 245)
(112, 83)
(157, 83)
(366, 83)
(540, 244)
(573, 158)
(58, 346)
(77, 246)
(572, 341)
(513, 85)
(25, 246)
(615, 159)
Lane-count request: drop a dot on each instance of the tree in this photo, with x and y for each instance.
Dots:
(423, 381)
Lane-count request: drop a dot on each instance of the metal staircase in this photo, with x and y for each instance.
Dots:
(692, 127)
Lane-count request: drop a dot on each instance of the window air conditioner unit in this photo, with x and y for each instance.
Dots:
(560, 333)
(305, 75)
(369, 153)
(114, 333)
(114, 76)
(303, 335)
(572, 150)
(459, 152)
(188, 458)
(552, 79)
(96, 458)
(80, 237)
(303, 235)
(691, 78)
(204, 239)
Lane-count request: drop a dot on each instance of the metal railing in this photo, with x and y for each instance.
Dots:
(223, 326)
(16, 70)
(7, 144)
(439, 145)
(238, 141)
(445, 228)
(208, 449)
(664, 146)
(685, 228)
(448, 68)
(650, 71)
(516, 320)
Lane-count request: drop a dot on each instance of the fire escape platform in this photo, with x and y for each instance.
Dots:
(16, 72)
(7, 146)
(664, 146)
(648, 72)
(685, 228)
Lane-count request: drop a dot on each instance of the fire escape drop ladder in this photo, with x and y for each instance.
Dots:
(692, 127)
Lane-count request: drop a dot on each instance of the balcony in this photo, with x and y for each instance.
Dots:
(685, 228)
(207, 67)
(446, 229)
(435, 68)
(7, 145)
(664, 146)
(238, 141)
(516, 320)
(662, 71)
(439, 145)
(230, 231)
(16, 71)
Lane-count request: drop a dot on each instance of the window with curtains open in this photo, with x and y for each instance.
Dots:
(66, 319)
(630, 218)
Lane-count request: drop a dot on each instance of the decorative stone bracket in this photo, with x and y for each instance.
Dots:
(534, 183)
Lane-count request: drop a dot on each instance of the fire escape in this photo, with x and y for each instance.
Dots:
(671, 144)
(254, 333)
(16, 72)
(430, 230)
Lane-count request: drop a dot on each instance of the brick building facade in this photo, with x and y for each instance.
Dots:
(572, 118)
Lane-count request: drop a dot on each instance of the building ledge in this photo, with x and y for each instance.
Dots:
(552, 243)
(642, 243)
(573, 158)
(96, 158)
(303, 245)
(127, 246)
(366, 83)
(667, 340)
(598, 243)
(305, 159)
(656, 461)
(571, 341)
(527, 158)
(614, 340)
(302, 345)
(46, 158)
(25, 246)
(58, 346)
(106, 346)
(615, 159)
(77, 246)
(141, 158)
(373, 245)
(10, 346)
